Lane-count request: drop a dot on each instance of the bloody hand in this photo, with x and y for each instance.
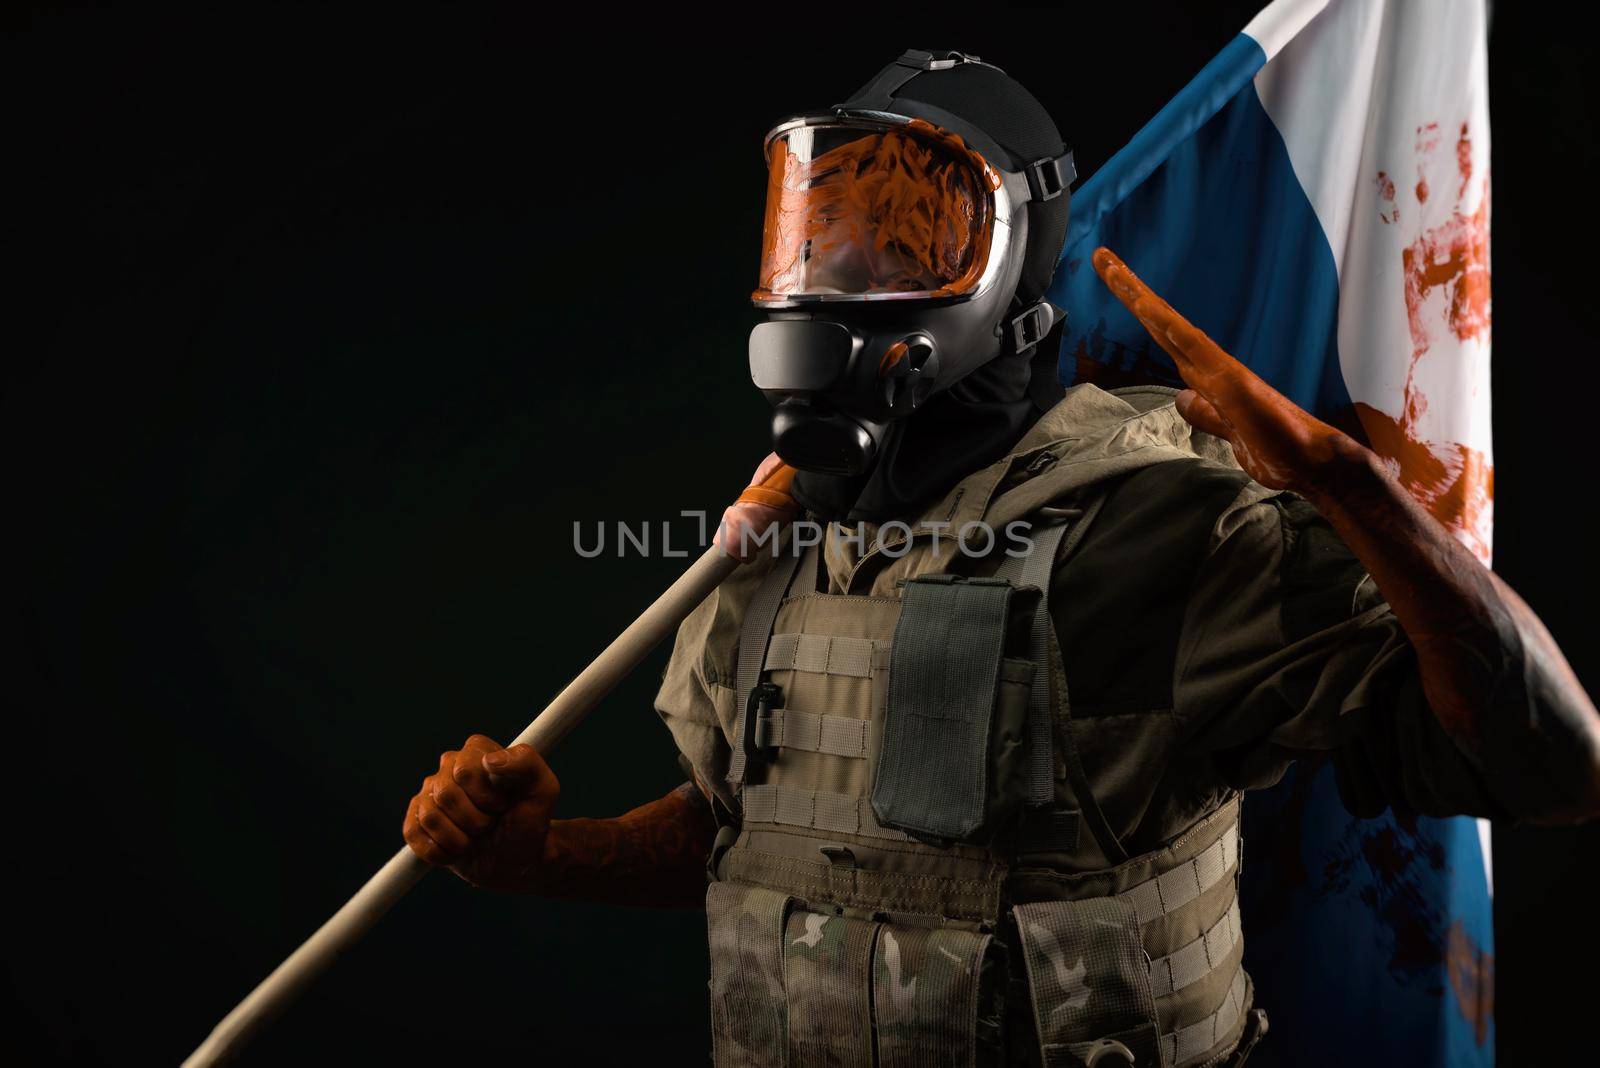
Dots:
(1495, 680)
(1278, 443)
(485, 813)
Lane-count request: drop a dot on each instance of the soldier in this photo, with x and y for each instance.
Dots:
(920, 850)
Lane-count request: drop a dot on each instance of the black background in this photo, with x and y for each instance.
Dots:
(329, 329)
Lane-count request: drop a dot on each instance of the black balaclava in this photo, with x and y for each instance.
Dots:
(977, 402)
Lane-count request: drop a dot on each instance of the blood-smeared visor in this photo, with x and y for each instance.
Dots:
(877, 209)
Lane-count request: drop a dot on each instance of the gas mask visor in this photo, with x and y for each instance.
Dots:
(877, 208)
(887, 259)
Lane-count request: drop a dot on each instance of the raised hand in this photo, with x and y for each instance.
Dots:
(1278, 443)
(1495, 680)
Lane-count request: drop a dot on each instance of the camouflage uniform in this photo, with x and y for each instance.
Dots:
(1204, 632)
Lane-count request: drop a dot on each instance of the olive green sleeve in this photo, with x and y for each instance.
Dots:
(1289, 651)
(696, 698)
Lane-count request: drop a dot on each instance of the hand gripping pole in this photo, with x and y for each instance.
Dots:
(765, 501)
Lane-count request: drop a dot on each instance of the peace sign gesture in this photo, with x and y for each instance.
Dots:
(1278, 443)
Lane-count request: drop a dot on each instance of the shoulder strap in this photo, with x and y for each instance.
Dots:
(1054, 544)
(1033, 569)
(754, 634)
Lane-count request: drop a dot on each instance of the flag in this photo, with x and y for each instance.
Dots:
(1317, 200)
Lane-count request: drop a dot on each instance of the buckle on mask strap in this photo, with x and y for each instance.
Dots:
(1030, 328)
(1049, 178)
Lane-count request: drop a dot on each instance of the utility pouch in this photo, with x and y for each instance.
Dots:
(827, 972)
(865, 994)
(794, 986)
(1089, 981)
(951, 766)
(928, 996)
(749, 1012)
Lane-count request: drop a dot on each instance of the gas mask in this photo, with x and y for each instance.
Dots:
(896, 237)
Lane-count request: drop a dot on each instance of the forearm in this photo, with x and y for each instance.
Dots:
(1494, 678)
(653, 856)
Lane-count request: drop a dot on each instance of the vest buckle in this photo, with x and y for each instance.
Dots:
(763, 699)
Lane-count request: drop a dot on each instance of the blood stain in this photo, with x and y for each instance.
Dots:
(1386, 194)
(1454, 482)
(1471, 973)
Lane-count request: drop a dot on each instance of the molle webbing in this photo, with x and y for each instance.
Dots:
(1196, 960)
(1190, 1042)
(812, 732)
(821, 654)
(753, 636)
(1205, 957)
(817, 810)
(1173, 889)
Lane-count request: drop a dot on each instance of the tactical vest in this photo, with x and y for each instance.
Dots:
(900, 889)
